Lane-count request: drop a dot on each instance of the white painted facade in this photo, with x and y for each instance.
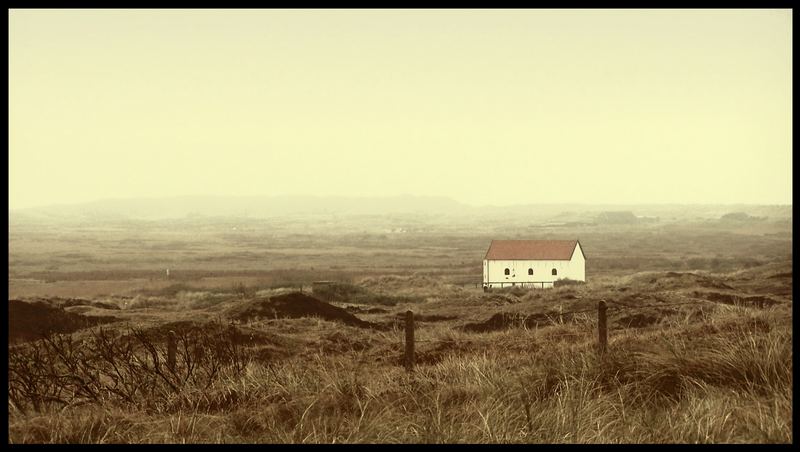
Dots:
(494, 271)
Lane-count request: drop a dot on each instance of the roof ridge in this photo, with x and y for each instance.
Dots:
(531, 249)
(534, 240)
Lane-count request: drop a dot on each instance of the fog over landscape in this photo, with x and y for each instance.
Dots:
(264, 207)
(400, 226)
(485, 107)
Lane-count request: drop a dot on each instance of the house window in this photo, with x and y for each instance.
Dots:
(530, 271)
(507, 272)
(555, 272)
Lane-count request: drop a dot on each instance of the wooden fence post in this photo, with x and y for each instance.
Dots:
(409, 361)
(601, 325)
(172, 347)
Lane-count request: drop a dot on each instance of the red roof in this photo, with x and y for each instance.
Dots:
(531, 249)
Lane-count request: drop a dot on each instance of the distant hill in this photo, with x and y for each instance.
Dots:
(242, 206)
(739, 217)
(183, 207)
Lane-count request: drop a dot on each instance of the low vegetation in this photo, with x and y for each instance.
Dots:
(732, 383)
(696, 354)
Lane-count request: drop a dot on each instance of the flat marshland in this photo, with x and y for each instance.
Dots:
(699, 333)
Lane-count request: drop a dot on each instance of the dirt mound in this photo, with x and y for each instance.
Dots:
(638, 320)
(361, 310)
(294, 305)
(78, 309)
(506, 320)
(30, 321)
(351, 293)
(262, 346)
(70, 302)
(401, 316)
(239, 334)
(59, 302)
(738, 300)
(434, 318)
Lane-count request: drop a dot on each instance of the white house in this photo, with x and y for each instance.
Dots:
(532, 263)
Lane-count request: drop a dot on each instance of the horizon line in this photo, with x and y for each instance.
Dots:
(401, 195)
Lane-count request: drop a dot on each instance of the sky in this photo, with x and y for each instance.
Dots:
(484, 106)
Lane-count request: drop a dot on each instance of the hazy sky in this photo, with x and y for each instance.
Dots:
(499, 107)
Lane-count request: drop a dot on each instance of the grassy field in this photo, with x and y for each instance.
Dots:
(700, 334)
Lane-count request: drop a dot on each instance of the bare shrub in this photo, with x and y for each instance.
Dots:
(126, 368)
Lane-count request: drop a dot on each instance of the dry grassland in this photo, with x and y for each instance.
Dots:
(700, 337)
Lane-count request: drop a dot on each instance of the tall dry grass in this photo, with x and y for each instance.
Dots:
(724, 379)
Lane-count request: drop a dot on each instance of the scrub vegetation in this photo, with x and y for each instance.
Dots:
(238, 345)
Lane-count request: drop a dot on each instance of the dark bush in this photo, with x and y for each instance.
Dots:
(567, 282)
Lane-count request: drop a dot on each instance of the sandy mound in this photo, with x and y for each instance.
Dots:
(294, 305)
(506, 320)
(29, 321)
(264, 346)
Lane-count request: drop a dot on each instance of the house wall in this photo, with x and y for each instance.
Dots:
(494, 275)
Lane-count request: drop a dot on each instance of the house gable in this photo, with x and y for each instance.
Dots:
(578, 247)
